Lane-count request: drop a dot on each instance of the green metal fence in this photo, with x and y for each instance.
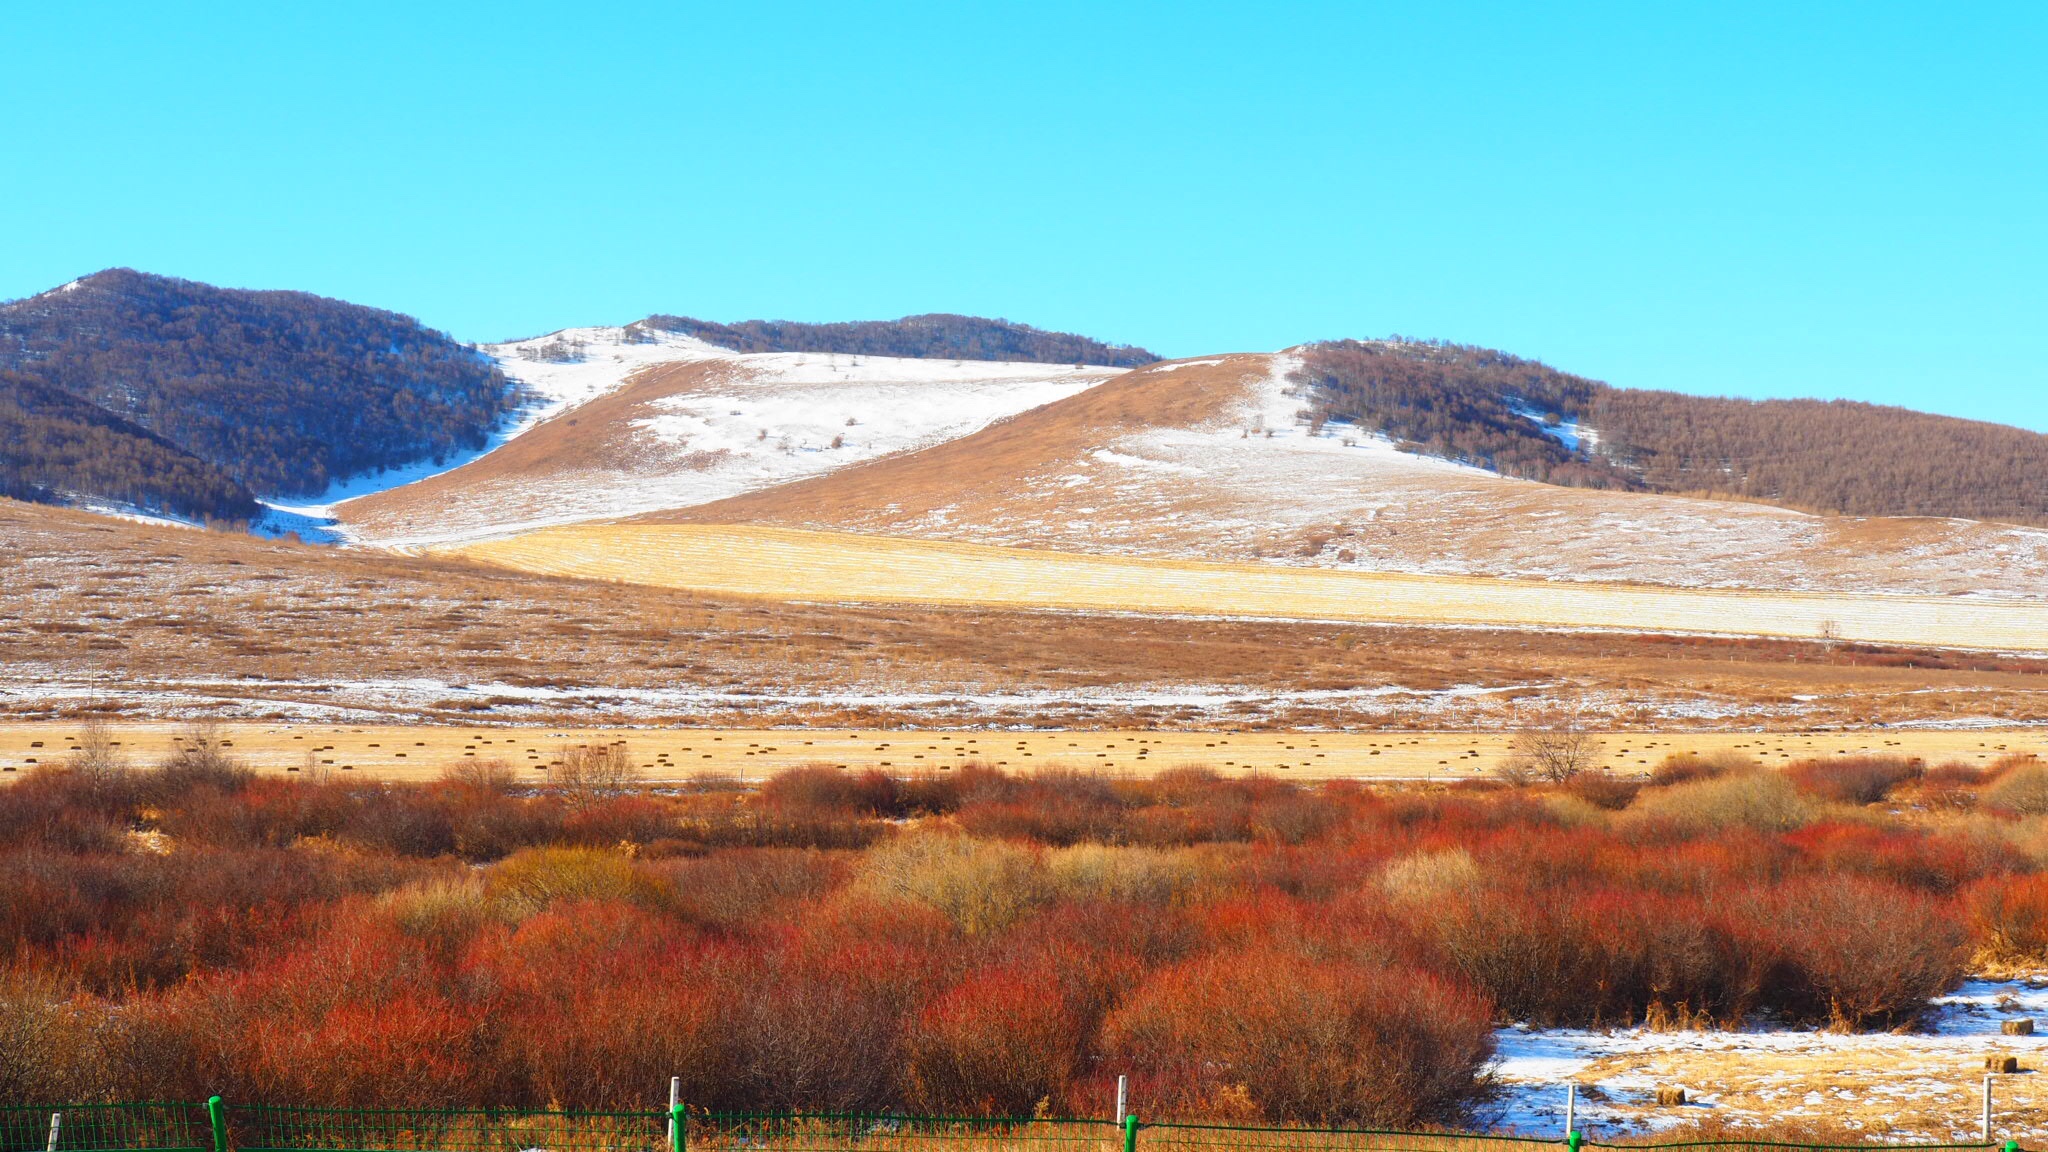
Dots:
(820, 1132)
(143, 1127)
(217, 1126)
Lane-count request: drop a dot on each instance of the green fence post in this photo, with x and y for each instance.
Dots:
(1130, 1132)
(678, 1139)
(1575, 1139)
(217, 1113)
(2012, 1146)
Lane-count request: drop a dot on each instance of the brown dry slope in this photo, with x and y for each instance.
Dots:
(547, 472)
(1209, 459)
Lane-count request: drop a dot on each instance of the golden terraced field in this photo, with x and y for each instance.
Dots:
(421, 751)
(790, 564)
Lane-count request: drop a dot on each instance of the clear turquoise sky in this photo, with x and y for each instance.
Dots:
(1758, 199)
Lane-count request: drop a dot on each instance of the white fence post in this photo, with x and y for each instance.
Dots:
(1571, 1108)
(675, 1123)
(1123, 1088)
(56, 1127)
(1987, 1109)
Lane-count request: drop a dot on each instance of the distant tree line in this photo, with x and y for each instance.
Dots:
(1499, 411)
(1828, 455)
(936, 336)
(280, 392)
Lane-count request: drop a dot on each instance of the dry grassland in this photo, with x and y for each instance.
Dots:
(97, 615)
(413, 752)
(829, 567)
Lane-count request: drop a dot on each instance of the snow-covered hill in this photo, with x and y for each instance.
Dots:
(627, 421)
(1212, 458)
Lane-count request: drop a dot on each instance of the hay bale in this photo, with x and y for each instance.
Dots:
(2001, 1064)
(2017, 1027)
(1670, 1096)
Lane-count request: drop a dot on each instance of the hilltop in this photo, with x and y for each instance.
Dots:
(275, 393)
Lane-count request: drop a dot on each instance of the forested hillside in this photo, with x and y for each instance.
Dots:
(934, 336)
(54, 445)
(1832, 455)
(282, 391)
(1526, 419)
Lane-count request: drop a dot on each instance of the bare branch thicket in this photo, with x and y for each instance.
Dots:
(490, 777)
(593, 772)
(1554, 751)
(98, 757)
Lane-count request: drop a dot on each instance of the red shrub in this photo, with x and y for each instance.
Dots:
(1002, 1042)
(823, 790)
(1855, 953)
(597, 1001)
(1055, 807)
(621, 820)
(1930, 861)
(1853, 779)
(2009, 918)
(1302, 1039)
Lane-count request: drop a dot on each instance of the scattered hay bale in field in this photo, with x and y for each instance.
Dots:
(2001, 1064)
(2017, 1027)
(1670, 1096)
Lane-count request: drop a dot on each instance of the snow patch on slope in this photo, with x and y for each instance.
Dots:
(1570, 433)
(603, 360)
(792, 415)
(765, 419)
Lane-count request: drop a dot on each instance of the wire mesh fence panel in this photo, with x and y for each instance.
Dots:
(144, 1127)
(783, 1132)
(283, 1129)
(1222, 1137)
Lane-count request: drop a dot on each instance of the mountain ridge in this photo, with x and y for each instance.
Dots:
(279, 391)
(930, 335)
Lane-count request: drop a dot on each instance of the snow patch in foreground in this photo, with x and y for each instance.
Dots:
(1532, 1066)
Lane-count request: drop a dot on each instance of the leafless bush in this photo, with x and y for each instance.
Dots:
(1760, 801)
(201, 760)
(1555, 751)
(47, 1046)
(1684, 767)
(98, 760)
(2021, 789)
(487, 777)
(980, 885)
(593, 772)
(1423, 877)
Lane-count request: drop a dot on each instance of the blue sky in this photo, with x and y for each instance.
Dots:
(1751, 199)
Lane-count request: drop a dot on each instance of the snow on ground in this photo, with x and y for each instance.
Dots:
(1569, 433)
(1262, 483)
(369, 699)
(770, 419)
(603, 359)
(790, 415)
(124, 511)
(1907, 1080)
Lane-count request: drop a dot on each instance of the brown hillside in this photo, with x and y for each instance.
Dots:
(1208, 460)
(553, 462)
(977, 475)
